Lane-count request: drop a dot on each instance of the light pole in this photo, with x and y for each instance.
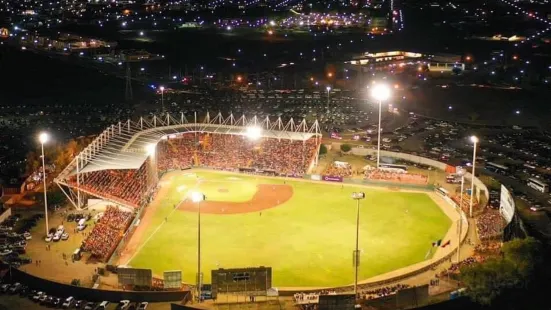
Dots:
(197, 197)
(356, 256)
(328, 88)
(43, 138)
(461, 172)
(474, 139)
(162, 88)
(380, 92)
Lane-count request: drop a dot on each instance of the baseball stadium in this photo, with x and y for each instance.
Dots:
(179, 194)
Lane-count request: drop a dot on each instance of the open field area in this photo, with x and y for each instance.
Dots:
(307, 237)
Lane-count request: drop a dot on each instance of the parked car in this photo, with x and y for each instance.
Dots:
(38, 296)
(56, 302)
(103, 305)
(143, 305)
(15, 288)
(49, 238)
(65, 236)
(123, 304)
(79, 304)
(27, 235)
(89, 306)
(69, 301)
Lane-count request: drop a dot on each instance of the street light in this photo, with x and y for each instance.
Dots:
(197, 197)
(474, 140)
(356, 255)
(162, 88)
(328, 88)
(380, 92)
(43, 138)
(460, 172)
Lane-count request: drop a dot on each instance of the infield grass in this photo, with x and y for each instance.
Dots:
(308, 241)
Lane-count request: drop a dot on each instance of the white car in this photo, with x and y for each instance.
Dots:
(103, 305)
(5, 252)
(56, 237)
(68, 303)
(49, 238)
(65, 236)
(27, 236)
(37, 296)
(143, 305)
(124, 304)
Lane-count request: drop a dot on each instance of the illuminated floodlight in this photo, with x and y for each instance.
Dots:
(197, 196)
(254, 133)
(150, 149)
(380, 92)
(474, 139)
(162, 88)
(43, 137)
(272, 23)
(328, 88)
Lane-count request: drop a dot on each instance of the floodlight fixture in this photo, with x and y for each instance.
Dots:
(474, 139)
(197, 196)
(254, 133)
(43, 137)
(380, 92)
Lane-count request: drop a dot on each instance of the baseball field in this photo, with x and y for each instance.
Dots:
(305, 231)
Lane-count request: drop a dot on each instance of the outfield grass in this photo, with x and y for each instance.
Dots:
(308, 241)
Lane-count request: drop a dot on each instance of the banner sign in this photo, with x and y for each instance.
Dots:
(331, 178)
(316, 177)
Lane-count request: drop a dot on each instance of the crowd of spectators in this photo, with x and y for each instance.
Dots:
(465, 204)
(338, 170)
(382, 291)
(489, 224)
(395, 176)
(107, 233)
(228, 152)
(455, 267)
(124, 185)
(311, 298)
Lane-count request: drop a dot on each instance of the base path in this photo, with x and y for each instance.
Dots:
(267, 196)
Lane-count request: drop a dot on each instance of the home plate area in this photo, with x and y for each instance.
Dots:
(267, 196)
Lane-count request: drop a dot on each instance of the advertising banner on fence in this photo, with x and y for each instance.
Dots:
(316, 177)
(506, 204)
(331, 178)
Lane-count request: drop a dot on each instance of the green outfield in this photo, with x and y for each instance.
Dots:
(307, 240)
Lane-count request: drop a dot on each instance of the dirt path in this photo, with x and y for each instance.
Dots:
(267, 196)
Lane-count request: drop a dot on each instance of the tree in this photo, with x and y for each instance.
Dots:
(33, 162)
(345, 148)
(513, 279)
(323, 149)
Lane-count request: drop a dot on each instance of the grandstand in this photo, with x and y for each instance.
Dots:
(123, 163)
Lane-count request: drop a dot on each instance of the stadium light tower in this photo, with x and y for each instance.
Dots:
(254, 133)
(197, 197)
(474, 140)
(460, 172)
(44, 138)
(162, 88)
(380, 92)
(328, 88)
(356, 256)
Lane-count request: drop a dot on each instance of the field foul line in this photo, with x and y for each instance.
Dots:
(160, 226)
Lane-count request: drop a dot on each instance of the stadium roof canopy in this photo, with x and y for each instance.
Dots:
(127, 145)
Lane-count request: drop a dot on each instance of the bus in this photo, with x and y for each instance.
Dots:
(402, 168)
(538, 185)
(497, 168)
